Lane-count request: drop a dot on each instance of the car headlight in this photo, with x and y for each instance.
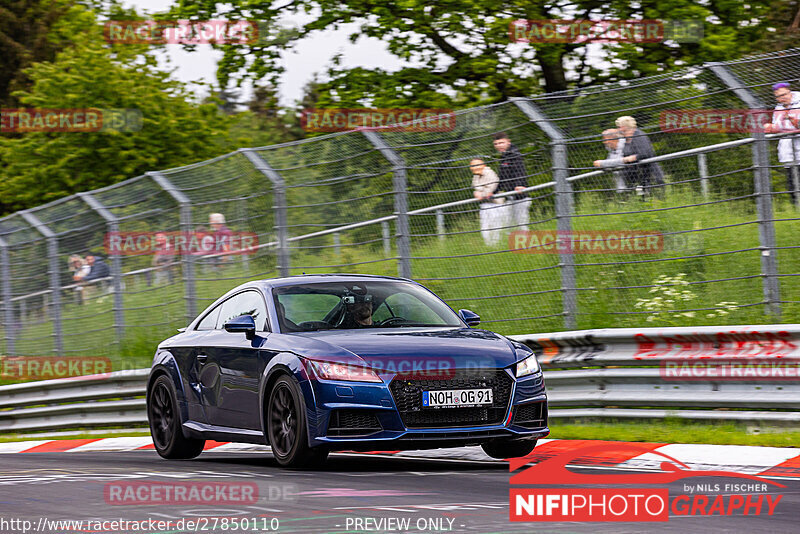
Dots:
(340, 371)
(528, 366)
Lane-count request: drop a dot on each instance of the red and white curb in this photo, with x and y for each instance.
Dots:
(765, 461)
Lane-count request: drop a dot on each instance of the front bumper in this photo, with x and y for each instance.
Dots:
(386, 424)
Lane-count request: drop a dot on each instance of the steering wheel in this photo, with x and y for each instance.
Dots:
(392, 320)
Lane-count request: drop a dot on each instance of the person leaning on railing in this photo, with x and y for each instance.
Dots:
(98, 272)
(78, 269)
(786, 118)
(641, 176)
(614, 142)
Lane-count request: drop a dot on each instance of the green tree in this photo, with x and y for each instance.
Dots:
(42, 166)
(27, 37)
(459, 54)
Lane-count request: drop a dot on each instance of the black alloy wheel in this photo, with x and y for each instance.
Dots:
(286, 426)
(165, 423)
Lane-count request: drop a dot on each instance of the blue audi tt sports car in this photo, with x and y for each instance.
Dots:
(314, 363)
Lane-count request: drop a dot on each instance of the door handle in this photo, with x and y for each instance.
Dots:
(202, 358)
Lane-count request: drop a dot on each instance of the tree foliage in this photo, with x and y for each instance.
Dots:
(42, 166)
(27, 36)
(458, 53)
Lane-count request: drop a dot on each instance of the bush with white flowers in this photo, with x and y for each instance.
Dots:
(670, 295)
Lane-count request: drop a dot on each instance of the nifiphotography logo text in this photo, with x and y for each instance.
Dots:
(609, 497)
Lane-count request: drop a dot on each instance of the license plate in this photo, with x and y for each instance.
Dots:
(456, 398)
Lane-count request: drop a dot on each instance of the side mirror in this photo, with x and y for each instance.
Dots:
(469, 317)
(243, 323)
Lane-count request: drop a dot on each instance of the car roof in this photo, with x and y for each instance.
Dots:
(321, 278)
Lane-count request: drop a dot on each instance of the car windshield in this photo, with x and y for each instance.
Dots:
(360, 304)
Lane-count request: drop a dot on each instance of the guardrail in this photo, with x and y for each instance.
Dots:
(625, 373)
(93, 401)
(743, 373)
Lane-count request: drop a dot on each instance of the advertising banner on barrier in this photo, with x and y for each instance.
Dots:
(651, 346)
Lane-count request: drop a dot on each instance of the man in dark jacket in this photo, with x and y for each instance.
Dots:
(641, 176)
(513, 177)
(97, 268)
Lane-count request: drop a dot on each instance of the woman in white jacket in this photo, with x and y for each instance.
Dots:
(485, 182)
(786, 118)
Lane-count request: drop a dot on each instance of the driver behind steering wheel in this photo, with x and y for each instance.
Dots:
(362, 313)
(358, 308)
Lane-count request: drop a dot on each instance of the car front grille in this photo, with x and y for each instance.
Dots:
(532, 415)
(408, 398)
(353, 423)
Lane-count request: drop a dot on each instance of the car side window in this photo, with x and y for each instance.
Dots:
(209, 322)
(245, 303)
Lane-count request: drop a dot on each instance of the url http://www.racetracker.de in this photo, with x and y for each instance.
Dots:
(195, 524)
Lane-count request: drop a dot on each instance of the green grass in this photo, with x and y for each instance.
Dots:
(677, 431)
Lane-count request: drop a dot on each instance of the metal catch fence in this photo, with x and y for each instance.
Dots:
(723, 225)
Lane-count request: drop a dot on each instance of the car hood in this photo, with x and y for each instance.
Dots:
(395, 348)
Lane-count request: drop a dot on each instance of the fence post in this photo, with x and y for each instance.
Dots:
(279, 194)
(763, 190)
(116, 263)
(400, 201)
(702, 167)
(55, 277)
(8, 304)
(186, 226)
(564, 205)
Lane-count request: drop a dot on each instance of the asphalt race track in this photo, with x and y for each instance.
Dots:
(350, 494)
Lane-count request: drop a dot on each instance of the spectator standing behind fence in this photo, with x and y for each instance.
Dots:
(78, 269)
(162, 259)
(98, 269)
(485, 182)
(222, 236)
(786, 118)
(614, 142)
(641, 176)
(513, 177)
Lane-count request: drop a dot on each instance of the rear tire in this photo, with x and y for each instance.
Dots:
(165, 423)
(286, 426)
(508, 449)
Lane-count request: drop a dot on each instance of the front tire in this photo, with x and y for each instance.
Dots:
(286, 426)
(165, 423)
(508, 449)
